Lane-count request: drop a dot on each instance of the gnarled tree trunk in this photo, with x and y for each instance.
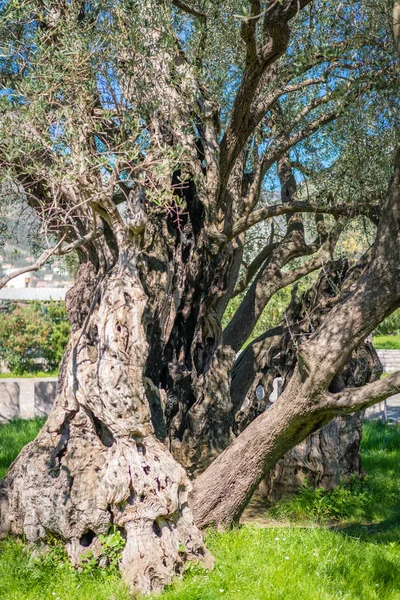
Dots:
(332, 454)
(149, 380)
(97, 462)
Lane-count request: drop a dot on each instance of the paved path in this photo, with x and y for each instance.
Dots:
(390, 360)
(392, 410)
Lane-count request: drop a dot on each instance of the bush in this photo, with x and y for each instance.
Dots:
(34, 331)
(390, 326)
(349, 501)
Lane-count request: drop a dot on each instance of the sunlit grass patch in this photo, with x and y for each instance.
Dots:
(387, 342)
(258, 563)
(13, 437)
(35, 374)
(358, 559)
(373, 499)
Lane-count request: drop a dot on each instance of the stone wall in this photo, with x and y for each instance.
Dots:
(390, 360)
(29, 398)
(26, 398)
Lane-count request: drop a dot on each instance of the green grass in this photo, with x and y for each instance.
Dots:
(386, 342)
(24, 576)
(256, 563)
(40, 374)
(13, 437)
(375, 499)
(360, 559)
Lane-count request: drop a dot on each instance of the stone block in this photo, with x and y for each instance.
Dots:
(45, 394)
(9, 401)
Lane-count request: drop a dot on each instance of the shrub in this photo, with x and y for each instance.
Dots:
(34, 331)
(390, 326)
(60, 329)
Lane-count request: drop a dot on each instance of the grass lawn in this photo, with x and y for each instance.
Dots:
(305, 557)
(37, 374)
(387, 342)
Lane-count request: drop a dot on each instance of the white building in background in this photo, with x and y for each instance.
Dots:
(31, 294)
(20, 281)
(20, 246)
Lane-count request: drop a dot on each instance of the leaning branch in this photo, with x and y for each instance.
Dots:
(202, 18)
(43, 258)
(190, 10)
(276, 34)
(353, 399)
(267, 212)
(253, 268)
(280, 149)
(57, 250)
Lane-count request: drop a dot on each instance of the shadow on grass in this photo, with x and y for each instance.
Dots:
(385, 532)
(355, 554)
(364, 508)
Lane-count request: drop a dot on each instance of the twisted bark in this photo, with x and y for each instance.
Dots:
(369, 294)
(97, 462)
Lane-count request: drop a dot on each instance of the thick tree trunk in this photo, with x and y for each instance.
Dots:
(97, 462)
(314, 394)
(332, 453)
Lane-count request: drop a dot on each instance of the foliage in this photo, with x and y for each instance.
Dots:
(70, 263)
(33, 331)
(60, 329)
(77, 100)
(347, 501)
(360, 561)
(390, 326)
(112, 546)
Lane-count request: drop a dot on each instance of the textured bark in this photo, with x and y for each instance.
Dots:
(186, 363)
(332, 454)
(313, 396)
(323, 459)
(148, 379)
(97, 461)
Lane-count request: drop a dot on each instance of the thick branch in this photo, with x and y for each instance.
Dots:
(202, 17)
(353, 399)
(242, 123)
(190, 10)
(271, 279)
(248, 32)
(267, 212)
(281, 148)
(253, 268)
(254, 358)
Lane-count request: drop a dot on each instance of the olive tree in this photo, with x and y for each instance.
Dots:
(142, 134)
